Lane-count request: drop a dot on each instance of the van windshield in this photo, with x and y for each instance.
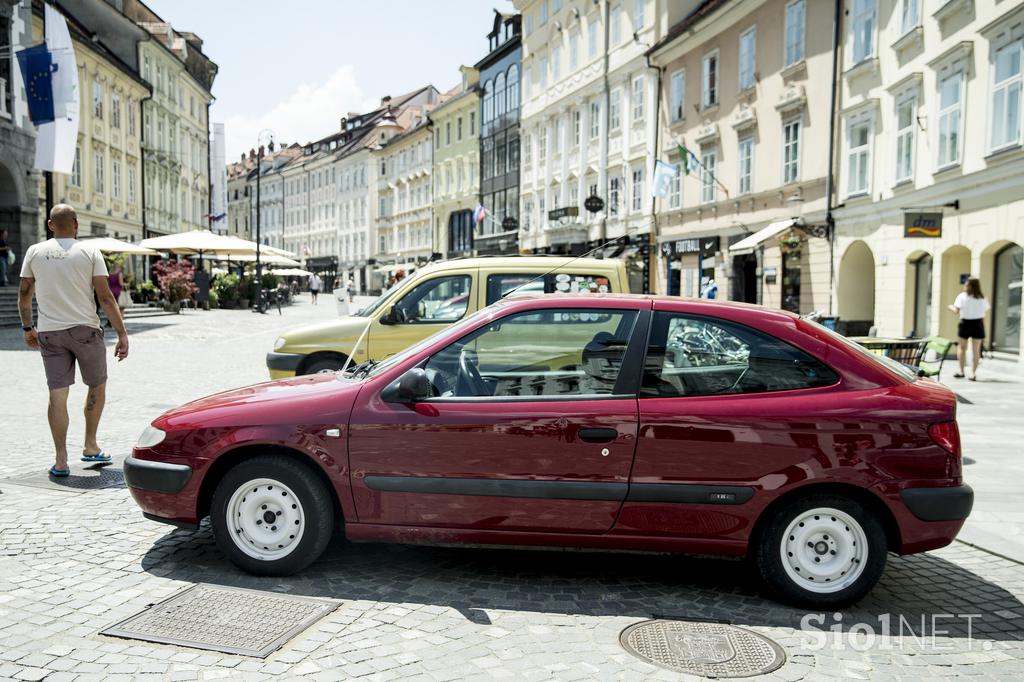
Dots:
(378, 302)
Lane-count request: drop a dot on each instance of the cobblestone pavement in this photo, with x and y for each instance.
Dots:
(74, 563)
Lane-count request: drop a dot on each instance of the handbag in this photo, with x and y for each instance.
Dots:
(124, 299)
(11, 257)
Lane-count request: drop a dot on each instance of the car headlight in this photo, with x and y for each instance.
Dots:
(150, 437)
(279, 343)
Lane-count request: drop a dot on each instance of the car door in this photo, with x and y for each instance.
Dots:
(542, 438)
(726, 411)
(427, 307)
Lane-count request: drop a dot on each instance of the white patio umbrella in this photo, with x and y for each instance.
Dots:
(111, 245)
(265, 259)
(277, 252)
(199, 242)
(291, 272)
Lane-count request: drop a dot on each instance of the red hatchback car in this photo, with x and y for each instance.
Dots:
(610, 422)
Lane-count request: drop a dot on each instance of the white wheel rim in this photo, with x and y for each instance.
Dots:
(265, 519)
(824, 550)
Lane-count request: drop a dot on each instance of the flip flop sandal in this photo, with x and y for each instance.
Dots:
(958, 376)
(98, 457)
(59, 473)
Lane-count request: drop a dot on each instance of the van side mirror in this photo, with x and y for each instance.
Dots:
(388, 317)
(411, 387)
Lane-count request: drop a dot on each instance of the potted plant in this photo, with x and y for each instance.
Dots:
(177, 283)
(226, 288)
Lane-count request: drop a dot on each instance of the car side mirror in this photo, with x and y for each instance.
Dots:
(411, 387)
(388, 317)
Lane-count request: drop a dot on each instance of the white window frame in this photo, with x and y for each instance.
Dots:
(574, 50)
(675, 193)
(76, 168)
(709, 167)
(956, 70)
(747, 58)
(98, 172)
(543, 72)
(556, 63)
(1006, 86)
(860, 12)
(638, 99)
(615, 110)
(794, 164)
(745, 165)
(905, 137)
(592, 36)
(638, 189)
(595, 119)
(677, 96)
(97, 99)
(861, 155)
(615, 30)
(910, 15)
(794, 39)
(639, 14)
(115, 178)
(709, 94)
(131, 183)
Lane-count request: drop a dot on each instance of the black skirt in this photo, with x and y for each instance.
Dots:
(971, 329)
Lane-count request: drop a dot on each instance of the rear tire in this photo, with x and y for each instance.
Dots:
(822, 552)
(272, 515)
(324, 364)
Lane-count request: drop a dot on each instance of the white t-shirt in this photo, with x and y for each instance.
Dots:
(63, 270)
(315, 282)
(970, 308)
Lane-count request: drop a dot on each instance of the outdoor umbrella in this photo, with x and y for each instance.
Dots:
(265, 259)
(111, 245)
(199, 242)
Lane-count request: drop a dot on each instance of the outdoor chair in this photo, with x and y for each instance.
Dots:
(936, 350)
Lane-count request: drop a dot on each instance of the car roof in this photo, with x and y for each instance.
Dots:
(657, 301)
(511, 262)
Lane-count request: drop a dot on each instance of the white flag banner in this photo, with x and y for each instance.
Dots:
(663, 175)
(56, 141)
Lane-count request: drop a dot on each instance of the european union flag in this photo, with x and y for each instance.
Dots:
(37, 72)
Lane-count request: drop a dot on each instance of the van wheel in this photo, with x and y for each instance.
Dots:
(272, 515)
(822, 551)
(325, 364)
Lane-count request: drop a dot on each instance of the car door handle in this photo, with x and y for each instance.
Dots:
(598, 435)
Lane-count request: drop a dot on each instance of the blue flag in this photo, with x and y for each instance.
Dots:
(37, 72)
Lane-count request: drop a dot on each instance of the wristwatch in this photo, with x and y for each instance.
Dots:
(27, 327)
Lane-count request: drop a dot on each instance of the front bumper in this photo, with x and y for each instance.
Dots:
(939, 504)
(158, 477)
(283, 365)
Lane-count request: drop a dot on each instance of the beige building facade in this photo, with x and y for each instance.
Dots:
(746, 91)
(104, 183)
(931, 165)
(456, 161)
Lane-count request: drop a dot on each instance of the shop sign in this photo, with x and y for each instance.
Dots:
(684, 246)
(509, 223)
(594, 204)
(919, 224)
(564, 212)
(708, 247)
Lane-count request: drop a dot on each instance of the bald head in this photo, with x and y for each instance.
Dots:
(63, 221)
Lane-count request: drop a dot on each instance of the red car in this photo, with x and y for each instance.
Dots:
(607, 422)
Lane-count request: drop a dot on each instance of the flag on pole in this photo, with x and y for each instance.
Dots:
(664, 173)
(688, 160)
(479, 214)
(37, 73)
(57, 140)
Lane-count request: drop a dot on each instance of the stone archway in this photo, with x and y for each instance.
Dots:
(954, 269)
(1001, 271)
(11, 217)
(856, 289)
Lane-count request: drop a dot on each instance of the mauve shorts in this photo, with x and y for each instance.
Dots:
(62, 348)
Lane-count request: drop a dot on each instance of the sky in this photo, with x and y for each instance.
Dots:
(298, 67)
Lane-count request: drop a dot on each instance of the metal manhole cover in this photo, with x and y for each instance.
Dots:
(705, 649)
(80, 480)
(228, 619)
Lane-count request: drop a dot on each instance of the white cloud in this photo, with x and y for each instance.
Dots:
(308, 113)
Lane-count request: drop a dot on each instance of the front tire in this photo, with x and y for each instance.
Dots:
(272, 515)
(822, 552)
(323, 365)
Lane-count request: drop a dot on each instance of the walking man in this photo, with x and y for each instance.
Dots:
(63, 273)
(314, 286)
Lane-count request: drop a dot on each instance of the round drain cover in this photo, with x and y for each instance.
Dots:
(705, 649)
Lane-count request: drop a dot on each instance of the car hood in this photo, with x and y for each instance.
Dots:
(338, 334)
(305, 399)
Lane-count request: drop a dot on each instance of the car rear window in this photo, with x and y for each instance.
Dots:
(904, 371)
(499, 286)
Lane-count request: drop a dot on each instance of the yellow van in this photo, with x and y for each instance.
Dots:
(430, 299)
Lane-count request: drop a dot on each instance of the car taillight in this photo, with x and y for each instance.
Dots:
(947, 436)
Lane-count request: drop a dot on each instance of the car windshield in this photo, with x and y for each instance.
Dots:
(416, 348)
(380, 301)
(905, 371)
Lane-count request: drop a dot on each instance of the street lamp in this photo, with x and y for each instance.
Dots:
(259, 168)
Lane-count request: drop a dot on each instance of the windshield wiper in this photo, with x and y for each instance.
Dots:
(363, 368)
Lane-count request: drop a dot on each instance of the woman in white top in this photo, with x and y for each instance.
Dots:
(971, 306)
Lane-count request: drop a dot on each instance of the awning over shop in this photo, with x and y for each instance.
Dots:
(748, 244)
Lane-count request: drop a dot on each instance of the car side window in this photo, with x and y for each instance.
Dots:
(693, 356)
(502, 284)
(555, 352)
(441, 299)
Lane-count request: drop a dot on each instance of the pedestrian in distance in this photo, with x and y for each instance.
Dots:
(5, 254)
(64, 273)
(117, 288)
(350, 285)
(314, 286)
(971, 306)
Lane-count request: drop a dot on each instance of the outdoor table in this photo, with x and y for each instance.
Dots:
(906, 351)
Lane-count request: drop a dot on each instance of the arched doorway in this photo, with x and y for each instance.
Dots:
(10, 220)
(918, 294)
(956, 268)
(856, 290)
(1007, 283)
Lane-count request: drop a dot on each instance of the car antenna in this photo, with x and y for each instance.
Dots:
(558, 267)
(355, 348)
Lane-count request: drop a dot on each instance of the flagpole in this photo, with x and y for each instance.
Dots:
(48, 180)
